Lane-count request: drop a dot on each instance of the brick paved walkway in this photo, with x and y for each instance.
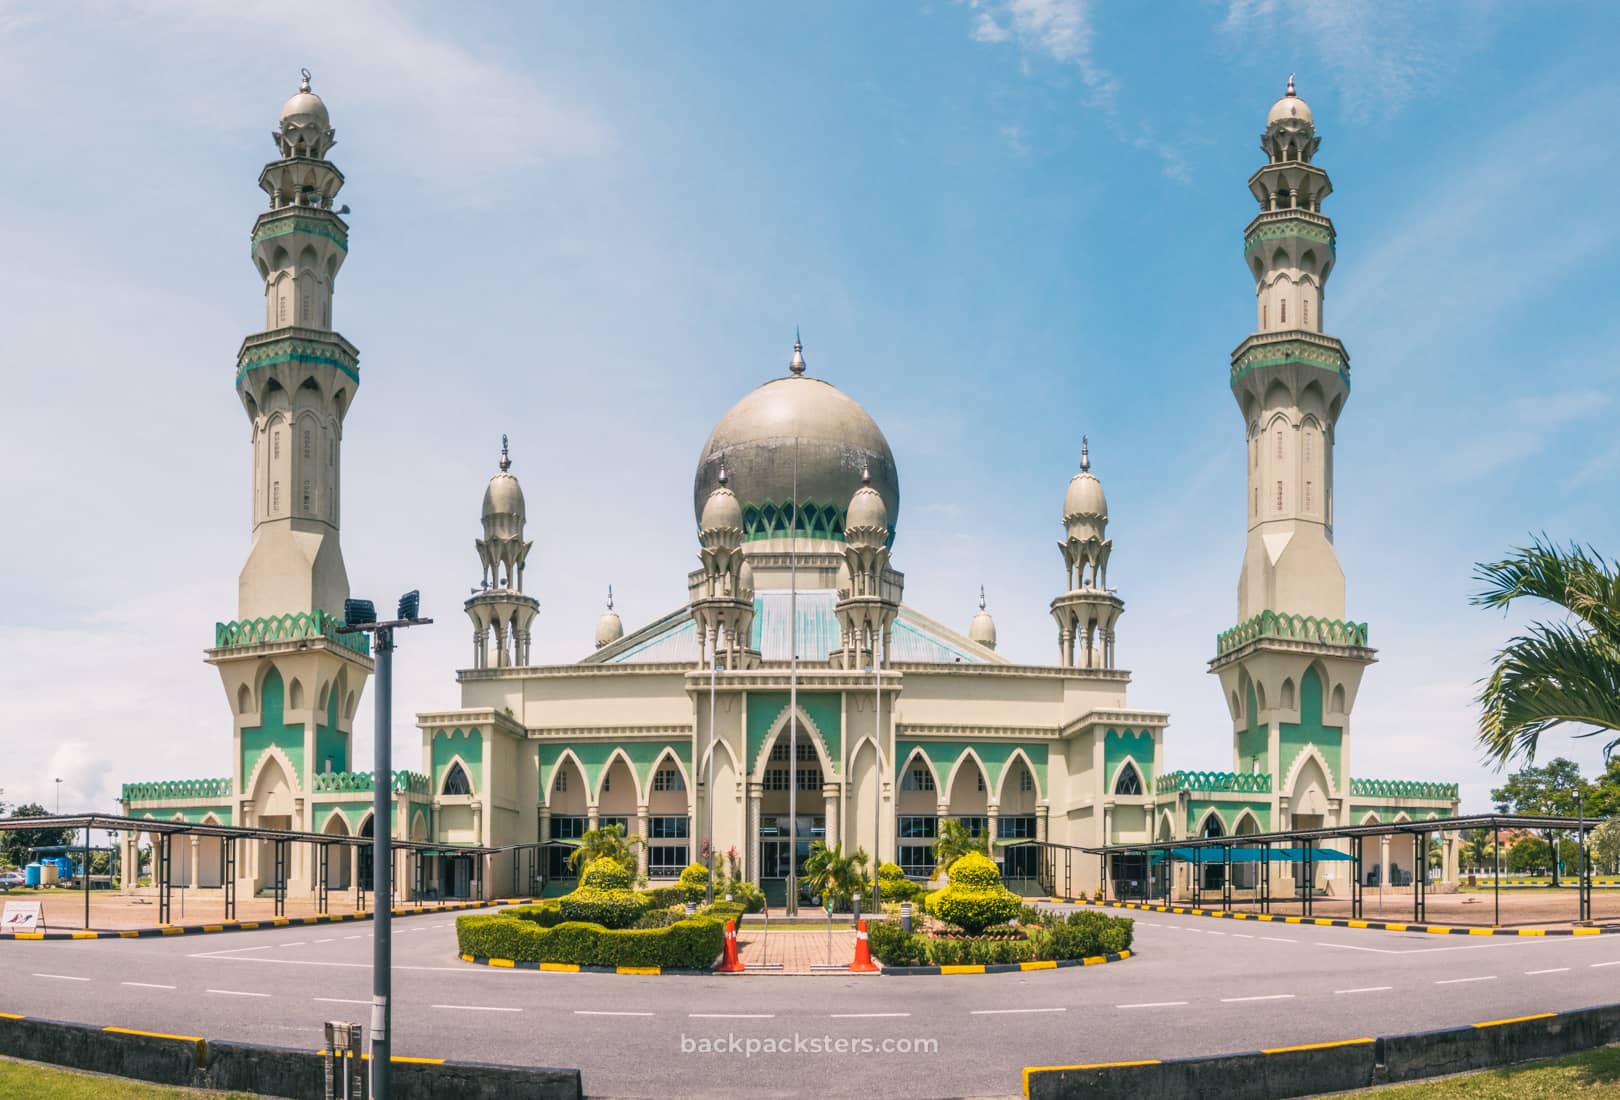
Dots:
(796, 949)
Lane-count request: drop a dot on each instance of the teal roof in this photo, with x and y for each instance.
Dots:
(673, 639)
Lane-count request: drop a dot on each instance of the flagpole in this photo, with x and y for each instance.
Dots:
(793, 696)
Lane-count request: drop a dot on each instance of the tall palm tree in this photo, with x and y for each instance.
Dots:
(832, 874)
(1555, 673)
(955, 841)
(609, 841)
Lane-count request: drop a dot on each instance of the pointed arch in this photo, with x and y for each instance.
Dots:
(968, 751)
(714, 750)
(1371, 818)
(974, 800)
(1246, 823)
(1287, 699)
(335, 816)
(1007, 772)
(275, 754)
(1209, 819)
(668, 753)
(419, 826)
(567, 763)
(1118, 777)
(914, 754)
(618, 753)
(458, 766)
(295, 694)
(1308, 753)
(778, 729)
(244, 699)
(1167, 826)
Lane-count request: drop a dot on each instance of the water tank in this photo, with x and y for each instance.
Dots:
(64, 867)
(48, 873)
(31, 874)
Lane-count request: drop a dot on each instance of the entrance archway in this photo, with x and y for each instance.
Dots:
(803, 776)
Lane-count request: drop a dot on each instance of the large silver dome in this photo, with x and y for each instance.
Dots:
(836, 441)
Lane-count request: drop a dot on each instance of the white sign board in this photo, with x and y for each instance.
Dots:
(22, 916)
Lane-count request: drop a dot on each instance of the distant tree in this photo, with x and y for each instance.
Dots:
(609, 841)
(1604, 799)
(1563, 672)
(1605, 845)
(1478, 849)
(955, 841)
(1556, 788)
(1528, 855)
(15, 843)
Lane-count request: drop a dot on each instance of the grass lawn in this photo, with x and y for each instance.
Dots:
(32, 1081)
(1594, 1075)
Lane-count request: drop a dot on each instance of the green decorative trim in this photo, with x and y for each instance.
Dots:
(293, 220)
(1292, 227)
(1402, 788)
(1280, 624)
(1214, 781)
(168, 789)
(291, 627)
(779, 521)
(346, 782)
(289, 349)
(1259, 353)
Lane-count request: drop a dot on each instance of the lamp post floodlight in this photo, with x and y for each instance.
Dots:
(360, 617)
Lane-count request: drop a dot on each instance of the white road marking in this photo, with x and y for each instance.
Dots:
(1552, 970)
(1155, 1004)
(1011, 1011)
(864, 1015)
(605, 1012)
(1367, 989)
(1212, 932)
(478, 1008)
(1241, 936)
(1615, 963)
(1278, 939)
(351, 937)
(235, 993)
(294, 943)
(732, 1015)
(1264, 997)
(325, 941)
(151, 985)
(1459, 981)
(62, 977)
(339, 1001)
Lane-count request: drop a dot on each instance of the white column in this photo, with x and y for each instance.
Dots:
(641, 831)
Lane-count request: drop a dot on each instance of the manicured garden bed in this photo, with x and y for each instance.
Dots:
(976, 920)
(604, 923)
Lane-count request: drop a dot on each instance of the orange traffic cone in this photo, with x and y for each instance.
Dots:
(731, 964)
(862, 963)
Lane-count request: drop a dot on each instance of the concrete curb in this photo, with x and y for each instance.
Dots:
(193, 1062)
(1003, 968)
(1318, 1068)
(576, 968)
(258, 925)
(1333, 922)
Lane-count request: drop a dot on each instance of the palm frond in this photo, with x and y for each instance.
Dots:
(1553, 675)
(1580, 580)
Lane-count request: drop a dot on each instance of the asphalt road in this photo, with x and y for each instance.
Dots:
(1198, 986)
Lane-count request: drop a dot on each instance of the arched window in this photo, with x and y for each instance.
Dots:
(455, 781)
(1212, 826)
(560, 784)
(1129, 781)
(918, 779)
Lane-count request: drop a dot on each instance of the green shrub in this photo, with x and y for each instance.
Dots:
(604, 873)
(723, 911)
(891, 870)
(546, 913)
(746, 894)
(1029, 916)
(893, 947)
(662, 897)
(975, 899)
(695, 882)
(609, 908)
(898, 889)
(689, 943)
(660, 917)
(1082, 935)
(971, 950)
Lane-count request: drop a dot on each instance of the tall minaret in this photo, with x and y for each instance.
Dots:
(499, 609)
(1088, 609)
(297, 378)
(1291, 666)
(292, 680)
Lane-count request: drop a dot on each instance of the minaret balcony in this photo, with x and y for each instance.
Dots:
(298, 345)
(1290, 347)
(309, 220)
(1272, 225)
(1278, 629)
(293, 630)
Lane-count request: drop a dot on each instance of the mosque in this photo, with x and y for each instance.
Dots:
(795, 695)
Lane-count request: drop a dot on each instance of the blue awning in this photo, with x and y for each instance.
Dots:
(1215, 855)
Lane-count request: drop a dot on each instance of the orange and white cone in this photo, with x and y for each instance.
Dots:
(732, 963)
(862, 963)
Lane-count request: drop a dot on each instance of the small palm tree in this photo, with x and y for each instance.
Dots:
(954, 842)
(1555, 672)
(832, 874)
(609, 841)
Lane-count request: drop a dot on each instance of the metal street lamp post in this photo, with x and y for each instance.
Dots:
(708, 782)
(58, 798)
(360, 616)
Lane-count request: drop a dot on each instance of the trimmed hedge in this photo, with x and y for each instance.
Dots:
(975, 898)
(690, 944)
(609, 908)
(1078, 935)
(695, 882)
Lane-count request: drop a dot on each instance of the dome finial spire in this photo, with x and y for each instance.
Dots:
(1290, 90)
(506, 458)
(303, 84)
(796, 364)
(610, 598)
(866, 473)
(724, 477)
(1085, 455)
(981, 597)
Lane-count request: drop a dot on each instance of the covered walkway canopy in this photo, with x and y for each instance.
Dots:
(164, 833)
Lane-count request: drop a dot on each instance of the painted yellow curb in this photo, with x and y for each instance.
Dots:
(965, 968)
(1318, 1046)
(154, 1034)
(1047, 964)
(555, 968)
(1517, 1019)
(640, 970)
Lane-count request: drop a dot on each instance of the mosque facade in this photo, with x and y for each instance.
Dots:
(796, 694)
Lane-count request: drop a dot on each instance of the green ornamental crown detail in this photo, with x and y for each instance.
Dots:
(167, 789)
(1402, 788)
(315, 347)
(1291, 226)
(357, 782)
(1292, 346)
(296, 219)
(296, 626)
(1240, 782)
(1303, 628)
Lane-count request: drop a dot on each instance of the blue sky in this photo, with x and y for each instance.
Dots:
(594, 227)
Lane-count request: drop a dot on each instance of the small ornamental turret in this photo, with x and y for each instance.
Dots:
(1086, 613)
(983, 628)
(868, 590)
(721, 593)
(498, 608)
(609, 627)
